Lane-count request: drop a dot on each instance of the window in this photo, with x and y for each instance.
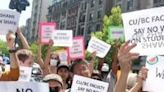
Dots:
(100, 2)
(157, 1)
(84, 6)
(98, 26)
(89, 30)
(82, 18)
(92, 3)
(130, 5)
(82, 31)
(91, 16)
(99, 14)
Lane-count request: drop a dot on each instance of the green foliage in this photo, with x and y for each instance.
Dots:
(34, 49)
(114, 19)
(3, 48)
(88, 58)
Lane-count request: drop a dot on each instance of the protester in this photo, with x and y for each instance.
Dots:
(49, 65)
(54, 62)
(81, 68)
(63, 71)
(25, 57)
(13, 74)
(136, 84)
(55, 82)
(125, 58)
(104, 71)
(112, 76)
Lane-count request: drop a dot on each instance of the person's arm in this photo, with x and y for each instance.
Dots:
(23, 39)
(48, 56)
(141, 77)
(91, 64)
(125, 58)
(13, 74)
(40, 59)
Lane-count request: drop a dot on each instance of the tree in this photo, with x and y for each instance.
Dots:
(114, 19)
(34, 49)
(3, 48)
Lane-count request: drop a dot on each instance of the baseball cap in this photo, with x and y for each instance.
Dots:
(105, 67)
(62, 65)
(53, 77)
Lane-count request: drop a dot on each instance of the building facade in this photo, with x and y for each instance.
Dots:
(132, 5)
(26, 28)
(39, 14)
(81, 16)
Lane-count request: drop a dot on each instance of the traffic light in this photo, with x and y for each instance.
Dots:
(19, 5)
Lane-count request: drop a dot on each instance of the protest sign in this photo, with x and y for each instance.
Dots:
(8, 21)
(63, 56)
(25, 73)
(99, 46)
(155, 77)
(46, 31)
(116, 32)
(78, 48)
(145, 28)
(23, 87)
(84, 84)
(63, 38)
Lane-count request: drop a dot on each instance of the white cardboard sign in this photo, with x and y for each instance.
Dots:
(63, 38)
(146, 29)
(155, 77)
(23, 87)
(25, 73)
(8, 21)
(99, 46)
(83, 84)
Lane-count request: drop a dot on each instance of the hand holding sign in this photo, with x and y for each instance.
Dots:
(99, 46)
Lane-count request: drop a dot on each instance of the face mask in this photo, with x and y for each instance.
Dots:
(53, 62)
(54, 89)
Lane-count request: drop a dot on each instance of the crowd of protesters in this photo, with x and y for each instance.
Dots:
(59, 75)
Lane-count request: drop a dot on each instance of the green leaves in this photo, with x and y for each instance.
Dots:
(114, 19)
(3, 47)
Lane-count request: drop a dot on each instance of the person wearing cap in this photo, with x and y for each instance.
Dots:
(104, 71)
(55, 82)
(63, 71)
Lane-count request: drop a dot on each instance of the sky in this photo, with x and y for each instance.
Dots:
(24, 15)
